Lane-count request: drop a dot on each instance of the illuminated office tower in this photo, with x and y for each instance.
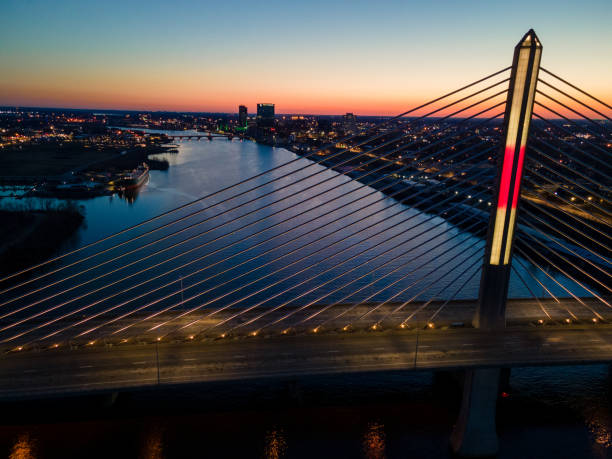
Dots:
(265, 115)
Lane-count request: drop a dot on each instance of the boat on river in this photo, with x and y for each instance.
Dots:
(134, 179)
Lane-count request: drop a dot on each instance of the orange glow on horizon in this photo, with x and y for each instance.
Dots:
(158, 96)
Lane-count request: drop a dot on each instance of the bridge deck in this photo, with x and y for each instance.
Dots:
(109, 368)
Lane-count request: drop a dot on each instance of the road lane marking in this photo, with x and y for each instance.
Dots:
(189, 360)
(86, 366)
(138, 363)
(596, 340)
(424, 345)
(379, 349)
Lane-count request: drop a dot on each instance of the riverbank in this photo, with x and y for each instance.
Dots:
(30, 236)
(74, 172)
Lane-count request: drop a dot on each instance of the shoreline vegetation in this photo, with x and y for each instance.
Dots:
(30, 234)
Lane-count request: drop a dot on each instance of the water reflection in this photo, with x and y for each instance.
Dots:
(276, 445)
(153, 444)
(374, 441)
(24, 448)
(598, 422)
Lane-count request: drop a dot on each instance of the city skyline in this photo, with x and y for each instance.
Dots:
(314, 59)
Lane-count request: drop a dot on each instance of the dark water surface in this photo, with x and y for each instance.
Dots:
(561, 412)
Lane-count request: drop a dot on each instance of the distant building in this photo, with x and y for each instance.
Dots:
(242, 116)
(349, 123)
(265, 115)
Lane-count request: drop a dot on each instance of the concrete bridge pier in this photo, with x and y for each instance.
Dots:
(475, 433)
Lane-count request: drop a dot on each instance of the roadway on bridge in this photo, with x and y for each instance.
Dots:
(73, 371)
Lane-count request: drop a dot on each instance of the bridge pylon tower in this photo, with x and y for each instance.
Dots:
(491, 312)
(475, 433)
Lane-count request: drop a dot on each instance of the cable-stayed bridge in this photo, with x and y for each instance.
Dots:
(396, 247)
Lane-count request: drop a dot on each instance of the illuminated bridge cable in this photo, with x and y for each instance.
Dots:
(428, 302)
(405, 275)
(188, 239)
(553, 279)
(286, 303)
(579, 211)
(577, 184)
(230, 187)
(565, 167)
(533, 295)
(588, 167)
(576, 88)
(79, 310)
(555, 241)
(569, 120)
(341, 217)
(547, 274)
(554, 265)
(544, 288)
(575, 148)
(477, 252)
(574, 99)
(387, 286)
(420, 279)
(243, 204)
(233, 267)
(459, 289)
(549, 97)
(563, 129)
(262, 242)
(179, 231)
(295, 250)
(595, 218)
(335, 290)
(351, 294)
(573, 241)
(309, 267)
(573, 134)
(571, 204)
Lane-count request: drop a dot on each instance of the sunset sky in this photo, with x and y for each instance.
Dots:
(367, 57)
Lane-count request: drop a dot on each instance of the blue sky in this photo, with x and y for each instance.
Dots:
(334, 54)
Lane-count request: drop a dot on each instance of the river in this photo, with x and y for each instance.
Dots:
(203, 167)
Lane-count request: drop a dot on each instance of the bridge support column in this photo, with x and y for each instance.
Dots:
(474, 434)
(491, 312)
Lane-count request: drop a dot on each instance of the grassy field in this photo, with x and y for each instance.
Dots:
(50, 159)
(54, 159)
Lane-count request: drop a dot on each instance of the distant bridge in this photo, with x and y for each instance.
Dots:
(209, 136)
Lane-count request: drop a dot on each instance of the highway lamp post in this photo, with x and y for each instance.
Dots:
(157, 359)
(474, 434)
(182, 300)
